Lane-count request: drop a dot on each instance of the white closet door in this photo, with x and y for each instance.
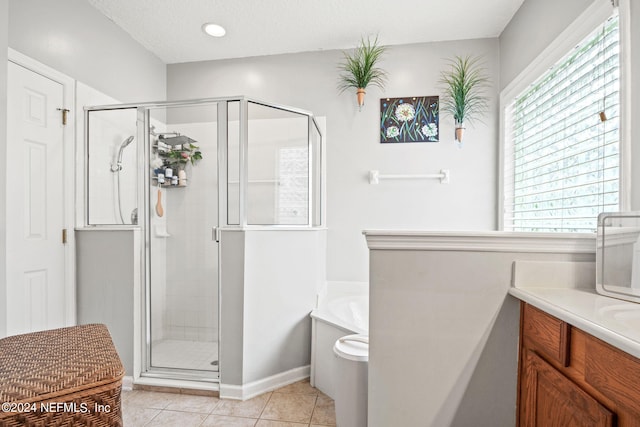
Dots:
(35, 203)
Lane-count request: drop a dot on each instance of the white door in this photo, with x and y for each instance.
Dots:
(35, 203)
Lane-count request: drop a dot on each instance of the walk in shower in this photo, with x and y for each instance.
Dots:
(185, 173)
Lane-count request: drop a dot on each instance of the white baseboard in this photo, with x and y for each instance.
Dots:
(255, 388)
(127, 383)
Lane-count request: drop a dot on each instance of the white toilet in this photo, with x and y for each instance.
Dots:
(351, 381)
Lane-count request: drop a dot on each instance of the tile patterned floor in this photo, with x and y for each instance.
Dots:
(184, 354)
(296, 405)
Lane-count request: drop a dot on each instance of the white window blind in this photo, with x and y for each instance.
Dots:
(562, 162)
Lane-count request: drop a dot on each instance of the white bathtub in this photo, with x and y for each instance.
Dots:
(343, 309)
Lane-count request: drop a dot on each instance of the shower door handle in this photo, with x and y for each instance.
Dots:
(215, 234)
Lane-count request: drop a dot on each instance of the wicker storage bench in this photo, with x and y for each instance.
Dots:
(62, 377)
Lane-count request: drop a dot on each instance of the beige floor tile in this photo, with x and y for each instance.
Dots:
(269, 423)
(302, 387)
(176, 418)
(325, 412)
(226, 421)
(289, 407)
(189, 403)
(138, 417)
(146, 399)
(251, 408)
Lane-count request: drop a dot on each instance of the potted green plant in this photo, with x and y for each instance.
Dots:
(179, 157)
(464, 91)
(360, 69)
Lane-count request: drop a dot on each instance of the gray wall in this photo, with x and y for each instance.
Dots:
(534, 26)
(4, 41)
(75, 39)
(309, 80)
(106, 294)
(232, 308)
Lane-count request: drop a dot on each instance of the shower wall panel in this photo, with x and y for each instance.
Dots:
(108, 131)
(277, 189)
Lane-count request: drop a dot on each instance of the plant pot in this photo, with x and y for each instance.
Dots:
(360, 95)
(459, 133)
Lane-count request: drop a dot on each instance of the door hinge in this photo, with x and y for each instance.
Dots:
(65, 111)
(64, 236)
(215, 234)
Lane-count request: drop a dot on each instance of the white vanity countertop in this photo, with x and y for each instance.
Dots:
(614, 321)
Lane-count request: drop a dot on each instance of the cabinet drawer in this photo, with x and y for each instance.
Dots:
(545, 334)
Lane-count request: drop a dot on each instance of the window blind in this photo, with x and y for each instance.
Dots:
(562, 152)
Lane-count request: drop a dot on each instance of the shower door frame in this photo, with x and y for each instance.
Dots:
(148, 370)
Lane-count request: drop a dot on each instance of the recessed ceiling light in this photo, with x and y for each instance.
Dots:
(214, 30)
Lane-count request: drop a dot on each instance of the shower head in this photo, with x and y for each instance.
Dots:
(122, 147)
(127, 141)
(118, 166)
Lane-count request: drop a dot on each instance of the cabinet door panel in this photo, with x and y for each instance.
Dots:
(546, 334)
(549, 399)
(612, 372)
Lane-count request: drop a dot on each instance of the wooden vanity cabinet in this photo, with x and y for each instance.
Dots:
(569, 378)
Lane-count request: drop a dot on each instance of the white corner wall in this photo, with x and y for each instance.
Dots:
(309, 81)
(283, 274)
(271, 279)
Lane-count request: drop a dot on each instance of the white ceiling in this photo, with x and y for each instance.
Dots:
(171, 29)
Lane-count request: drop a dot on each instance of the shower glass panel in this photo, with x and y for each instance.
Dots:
(183, 274)
(112, 191)
(316, 176)
(233, 162)
(278, 166)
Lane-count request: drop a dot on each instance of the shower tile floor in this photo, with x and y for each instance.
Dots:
(295, 405)
(183, 354)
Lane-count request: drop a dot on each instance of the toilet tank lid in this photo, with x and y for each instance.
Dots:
(353, 347)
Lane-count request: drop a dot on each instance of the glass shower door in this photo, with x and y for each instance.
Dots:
(182, 285)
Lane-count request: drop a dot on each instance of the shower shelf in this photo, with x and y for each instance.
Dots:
(168, 184)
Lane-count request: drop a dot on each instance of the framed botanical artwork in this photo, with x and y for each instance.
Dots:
(411, 119)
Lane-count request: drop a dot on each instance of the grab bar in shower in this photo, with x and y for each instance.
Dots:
(443, 176)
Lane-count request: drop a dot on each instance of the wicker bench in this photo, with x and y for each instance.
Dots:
(62, 377)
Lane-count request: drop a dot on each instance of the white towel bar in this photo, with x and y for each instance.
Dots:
(443, 176)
